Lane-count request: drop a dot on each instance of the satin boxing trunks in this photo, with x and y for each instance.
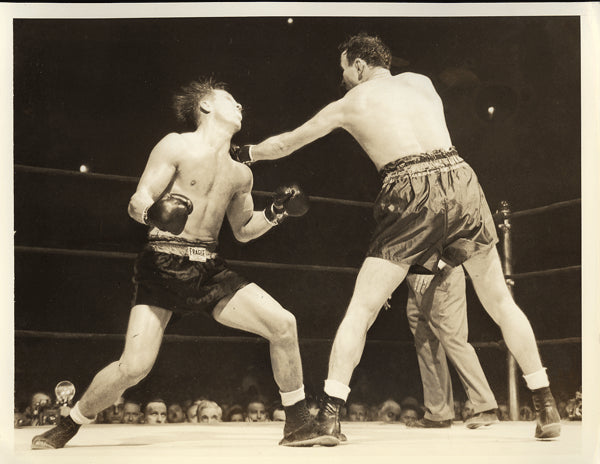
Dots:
(431, 207)
(183, 277)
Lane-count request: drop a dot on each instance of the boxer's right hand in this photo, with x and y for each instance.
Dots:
(287, 201)
(169, 213)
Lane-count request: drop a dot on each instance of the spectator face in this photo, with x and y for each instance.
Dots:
(390, 412)
(40, 400)
(175, 414)
(503, 410)
(526, 414)
(192, 413)
(256, 412)
(357, 412)
(209, 415)
(114, 413)
(408, 415)
(467, 410)
(237, 417)
(156, 413)
(131, 413)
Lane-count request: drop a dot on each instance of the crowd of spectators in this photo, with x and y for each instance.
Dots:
(256, 408)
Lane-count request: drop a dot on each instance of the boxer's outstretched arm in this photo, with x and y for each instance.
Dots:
(157, 175)
(246, 224)
(329, 118)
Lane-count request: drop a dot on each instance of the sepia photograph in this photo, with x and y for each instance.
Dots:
(296, 232)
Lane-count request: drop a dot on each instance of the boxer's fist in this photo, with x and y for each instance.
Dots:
(241, 154)
(287, 201)
(170, 213)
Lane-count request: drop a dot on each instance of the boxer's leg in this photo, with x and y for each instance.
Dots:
(488, 279)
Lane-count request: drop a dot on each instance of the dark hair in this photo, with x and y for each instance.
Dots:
(186, 101)
(369, 48)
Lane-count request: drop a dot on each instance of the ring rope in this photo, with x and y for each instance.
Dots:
(94, 175)
(241, 339)
(262, 264)
(260, 193)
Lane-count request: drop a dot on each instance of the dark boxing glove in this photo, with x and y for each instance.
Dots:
(170, 213)
(241, 154)
(287, 201)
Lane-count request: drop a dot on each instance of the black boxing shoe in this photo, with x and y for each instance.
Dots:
(425, 423)
(546, 414)
(309, 434)
(328, 417)
(57, 436)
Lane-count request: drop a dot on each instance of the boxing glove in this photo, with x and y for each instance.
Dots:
(169, 213)
(241, 154)
(287, 201)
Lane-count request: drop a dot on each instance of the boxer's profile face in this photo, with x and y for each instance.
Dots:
(349, 73)
(225, 107)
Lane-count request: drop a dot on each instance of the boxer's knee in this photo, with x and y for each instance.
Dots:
(132, 371)
(283, 328)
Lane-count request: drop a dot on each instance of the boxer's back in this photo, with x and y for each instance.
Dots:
(396, 116)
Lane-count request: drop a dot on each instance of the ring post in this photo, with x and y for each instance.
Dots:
(505, 227)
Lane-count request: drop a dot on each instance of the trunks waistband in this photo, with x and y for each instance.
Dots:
(195, 251)
(421, 164)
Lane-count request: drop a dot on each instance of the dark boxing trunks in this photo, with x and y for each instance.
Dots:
(431, 207)
(183, 277)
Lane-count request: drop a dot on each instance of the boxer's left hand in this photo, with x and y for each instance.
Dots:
(241, 154)
(287, 201)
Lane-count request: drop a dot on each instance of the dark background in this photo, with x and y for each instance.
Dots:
(98, 92)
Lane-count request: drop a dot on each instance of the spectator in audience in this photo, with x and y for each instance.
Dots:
(191, 413)
(155, 412)
(21, 419)
(209, 412)
(256, 411)
(114, 414)
(277, 412)
(573, 408)
(503, 413)
(357, 412)
(39, 401)
(175, 414)
(389, 411)
(410, 410)
(526, 414)
(235, 414)
(132, 412)
(468, 410)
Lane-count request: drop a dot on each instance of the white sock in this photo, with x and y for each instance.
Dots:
(537, 379)
(290, 398)
(336, 389)
(78, 417)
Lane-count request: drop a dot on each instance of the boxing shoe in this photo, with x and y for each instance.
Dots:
(309, 434)
(482, 419)
(546, 414)
(57, 436)
(329, 416)
(425, 423)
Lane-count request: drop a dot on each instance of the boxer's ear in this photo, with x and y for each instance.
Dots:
(359, 65)
(205, 106)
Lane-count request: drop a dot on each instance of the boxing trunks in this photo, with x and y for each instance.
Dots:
(183, 277)
(431, 207)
